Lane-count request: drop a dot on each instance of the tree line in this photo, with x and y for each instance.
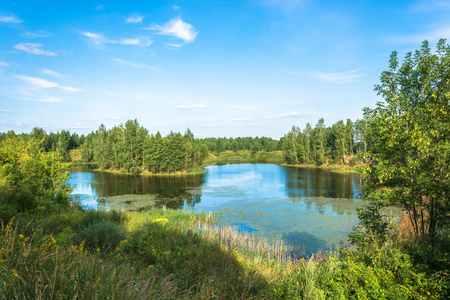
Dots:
(336, 144)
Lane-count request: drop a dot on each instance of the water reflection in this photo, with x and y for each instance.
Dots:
(309, 182)
(172, 192)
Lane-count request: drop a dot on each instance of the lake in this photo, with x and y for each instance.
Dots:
(307, 207)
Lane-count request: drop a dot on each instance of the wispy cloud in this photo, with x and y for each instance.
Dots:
(173, 46)
(34, 48)
(339, 77)
(432, 35)
(292, 114)
(9, 18)
(141, 66)
(191, 106)
(13, 124)
(5, 110)
(428, 5)
(117, 118)
(97, 39)
(37, 34)
(50, 72)
(49, 99)
(177, 28)
(135, 18)
(243, 119)
(99, 7)
(3, 64)
(93, 38)
(176, 7)
(42, 83)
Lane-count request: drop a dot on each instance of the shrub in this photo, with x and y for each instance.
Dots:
(103, 235)
(24, 201)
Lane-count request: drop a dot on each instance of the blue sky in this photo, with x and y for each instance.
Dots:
(221, 68)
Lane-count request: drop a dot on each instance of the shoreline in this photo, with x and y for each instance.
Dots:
(342, 169)
(176, 174)
(332, 168)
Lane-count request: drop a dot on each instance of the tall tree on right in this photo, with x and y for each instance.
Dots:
(409, 138)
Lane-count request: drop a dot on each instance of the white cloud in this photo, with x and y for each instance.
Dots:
(432, 35)
(291, 114)
(50, 72)
(99, 40)
(191, 106)
(5, 110)
(99, 7)
(42, 83)
(37, 34)
(288, 115)
(135, 18)
(10, 18)
(173, 46)
(34, 48)
(243, 119)
(176, 7)
(431, 5)
(49, 100)
(141, 66)
(94, 38)
(3, 64)
(177, 28)
(339, 77)
(14, 124)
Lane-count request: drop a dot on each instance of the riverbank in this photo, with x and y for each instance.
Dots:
(233, 157)
(196, 171)
(244, 156)
(332, 168)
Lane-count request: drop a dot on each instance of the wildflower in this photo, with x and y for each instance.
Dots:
(165, 220)
(15, 273)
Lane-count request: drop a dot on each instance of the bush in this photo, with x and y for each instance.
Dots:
(24, 201)
(62, 198)
(103, 235)
(372, 227)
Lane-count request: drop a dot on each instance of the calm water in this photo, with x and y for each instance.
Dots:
(311, 208)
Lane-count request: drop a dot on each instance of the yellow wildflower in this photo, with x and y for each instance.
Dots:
(15, 273)
(165, 220)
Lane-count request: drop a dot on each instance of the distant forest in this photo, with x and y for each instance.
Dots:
(132, 148)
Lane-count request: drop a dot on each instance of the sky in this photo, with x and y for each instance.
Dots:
(220, 68)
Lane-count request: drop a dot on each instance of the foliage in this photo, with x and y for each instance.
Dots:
(337, 144)
(103, 235)
(35, 267)
(409, 138)
(24, 166)
(372, 227)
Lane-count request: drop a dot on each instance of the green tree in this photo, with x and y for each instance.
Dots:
(25, 166)
(340, 143)
(320, 139)
(410, 159)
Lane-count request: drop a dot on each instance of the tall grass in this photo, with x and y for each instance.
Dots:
(35, 267)
(167, 254)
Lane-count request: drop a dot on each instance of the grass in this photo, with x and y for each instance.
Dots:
(244, 156)
(343, 169)
(169, 254)
(193, 171)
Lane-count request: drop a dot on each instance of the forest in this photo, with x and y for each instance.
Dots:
(130, 147)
